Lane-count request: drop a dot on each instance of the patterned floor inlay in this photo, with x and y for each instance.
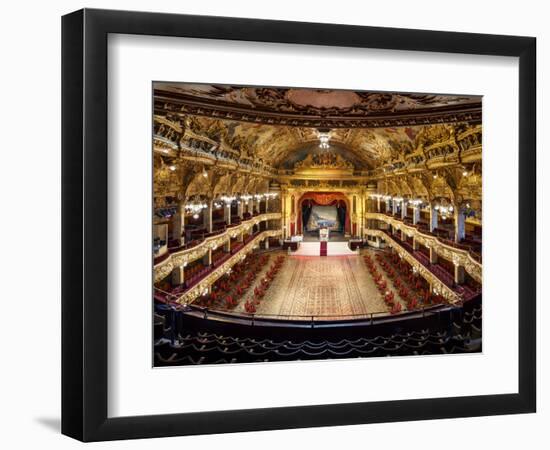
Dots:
(325, 287)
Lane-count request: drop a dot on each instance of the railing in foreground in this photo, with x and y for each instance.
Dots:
(253, 319)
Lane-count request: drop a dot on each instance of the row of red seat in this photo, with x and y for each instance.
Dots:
(436, 269)
(465, 290)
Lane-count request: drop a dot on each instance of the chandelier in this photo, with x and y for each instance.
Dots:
(195, 208)
(324, 138)
(245, 198)
(228, 199)
(416, 202)
(445, 209)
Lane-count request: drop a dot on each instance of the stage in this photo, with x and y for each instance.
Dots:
(334, 236)
(334, 248)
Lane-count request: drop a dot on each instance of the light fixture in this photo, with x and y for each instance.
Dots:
(445, 209)
(195, 207)
(324, 138)
(204, 173)
(227, 199)
(377, 196)
(172, 168)
(465, 173)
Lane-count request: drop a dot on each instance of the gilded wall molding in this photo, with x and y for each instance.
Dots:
(437, 285)
(457, 256)
(197, 290)
(163, 268)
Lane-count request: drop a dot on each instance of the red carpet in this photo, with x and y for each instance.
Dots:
(323, 248)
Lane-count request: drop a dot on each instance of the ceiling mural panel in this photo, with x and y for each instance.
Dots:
(311, 107)
(241, 138)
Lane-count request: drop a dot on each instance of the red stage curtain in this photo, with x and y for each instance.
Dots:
(324, 199)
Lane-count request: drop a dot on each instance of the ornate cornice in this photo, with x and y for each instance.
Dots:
(179, 258)
(470, 115)
(315, 107)
(457, 256)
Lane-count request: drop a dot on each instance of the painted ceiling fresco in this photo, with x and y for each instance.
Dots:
(280, 146)
(311, 102)
(260, 123)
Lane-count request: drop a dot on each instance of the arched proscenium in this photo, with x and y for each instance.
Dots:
(324, 198)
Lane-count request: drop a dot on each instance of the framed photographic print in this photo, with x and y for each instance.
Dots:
(274, 225)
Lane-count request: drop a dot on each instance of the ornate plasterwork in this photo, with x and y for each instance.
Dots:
(315, 107)
(165, 267)
(326, 160)
(437, 285)
(457, 256)
(432, 148)
(197, 290)
(264, 149)
(423, 161)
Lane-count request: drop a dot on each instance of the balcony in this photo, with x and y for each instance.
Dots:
(196, 249)
(456, 252)
(421, 261)
(204, 277)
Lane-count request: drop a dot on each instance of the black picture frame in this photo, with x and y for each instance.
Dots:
(84, 224)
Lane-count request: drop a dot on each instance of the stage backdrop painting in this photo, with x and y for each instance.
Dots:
(323, 217)
(310, 200)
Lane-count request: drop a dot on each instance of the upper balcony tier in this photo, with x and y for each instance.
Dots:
(215, 271)
(183, 255)
(449, 250)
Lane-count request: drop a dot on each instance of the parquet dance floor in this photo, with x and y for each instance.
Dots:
(325, 287)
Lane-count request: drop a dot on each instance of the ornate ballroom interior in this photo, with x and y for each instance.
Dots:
(294, 224)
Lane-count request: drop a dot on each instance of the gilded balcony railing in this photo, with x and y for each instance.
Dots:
(437, 285)
(456, 255)
(198, 289)
(181, 257)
